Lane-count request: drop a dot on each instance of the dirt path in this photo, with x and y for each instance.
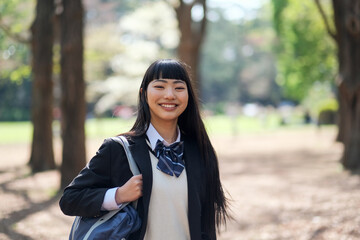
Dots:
(284, 185)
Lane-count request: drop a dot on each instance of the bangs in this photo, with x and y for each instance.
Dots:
(169, 69)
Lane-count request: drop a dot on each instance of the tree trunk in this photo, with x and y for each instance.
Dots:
(73, 90)
(347, 23)
(42, 155)
(192, 35)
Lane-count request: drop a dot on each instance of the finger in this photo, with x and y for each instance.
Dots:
(135, 179)
(138, 176)
(138, 179)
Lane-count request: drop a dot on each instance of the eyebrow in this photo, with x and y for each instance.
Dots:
(166, 81)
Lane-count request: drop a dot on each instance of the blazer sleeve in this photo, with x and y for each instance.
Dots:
(85, 194)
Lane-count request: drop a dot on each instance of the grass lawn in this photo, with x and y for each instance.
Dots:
(20, 132)
(11, 132)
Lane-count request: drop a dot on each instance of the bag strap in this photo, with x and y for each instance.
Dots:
(133, 167)
(124, 142)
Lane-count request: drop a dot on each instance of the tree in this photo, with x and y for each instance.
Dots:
(305, 54)
(347, 38)
(345, 31)
(73, 90)
(192, 34)
(42, 155)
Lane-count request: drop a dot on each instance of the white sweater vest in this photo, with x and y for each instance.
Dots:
(168, 208)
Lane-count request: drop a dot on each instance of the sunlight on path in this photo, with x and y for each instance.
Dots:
(288, 185)
(284, 185)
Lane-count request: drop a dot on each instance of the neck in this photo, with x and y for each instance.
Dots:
(166, 130)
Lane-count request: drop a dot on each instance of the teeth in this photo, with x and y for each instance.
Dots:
(167, 105)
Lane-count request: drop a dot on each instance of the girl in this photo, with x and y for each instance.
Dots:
(179, 190)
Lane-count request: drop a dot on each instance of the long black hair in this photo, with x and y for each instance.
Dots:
(191, 124)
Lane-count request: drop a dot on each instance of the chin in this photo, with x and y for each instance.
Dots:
(169, 118)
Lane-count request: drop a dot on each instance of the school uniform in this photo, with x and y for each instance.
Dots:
(109, 168)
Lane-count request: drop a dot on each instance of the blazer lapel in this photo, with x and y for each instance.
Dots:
(140, 152)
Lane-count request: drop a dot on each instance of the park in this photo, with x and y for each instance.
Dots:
(278, 85)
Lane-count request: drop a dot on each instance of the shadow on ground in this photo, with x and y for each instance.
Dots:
(283, 185)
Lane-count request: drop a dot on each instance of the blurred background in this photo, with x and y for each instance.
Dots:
(70, 72)
(251, 59)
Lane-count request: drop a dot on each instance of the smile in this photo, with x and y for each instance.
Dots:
(168, 105)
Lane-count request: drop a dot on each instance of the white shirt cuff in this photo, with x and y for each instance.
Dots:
(109, 202)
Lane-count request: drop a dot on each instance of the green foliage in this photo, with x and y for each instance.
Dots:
(328, 104)
(15, 17)
(278, 8)
(320, 97)
(237, 60)
(15, 99)
(20, 74)
(15, 70)
(305, 52)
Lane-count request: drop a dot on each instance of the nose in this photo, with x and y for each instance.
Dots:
(169, 94)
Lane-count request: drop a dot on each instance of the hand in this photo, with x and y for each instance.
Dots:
(130, 191)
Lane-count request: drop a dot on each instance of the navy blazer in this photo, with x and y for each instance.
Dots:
(109, 168)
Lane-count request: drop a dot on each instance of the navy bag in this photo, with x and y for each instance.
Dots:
(117, 227)
(114, 225)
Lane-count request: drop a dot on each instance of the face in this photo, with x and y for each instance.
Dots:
(167, 99)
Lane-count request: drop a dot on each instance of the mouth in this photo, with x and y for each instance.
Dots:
(168, 105)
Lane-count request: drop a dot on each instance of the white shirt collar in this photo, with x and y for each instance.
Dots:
(154, 136)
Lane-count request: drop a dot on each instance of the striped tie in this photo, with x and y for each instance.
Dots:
(170, 158)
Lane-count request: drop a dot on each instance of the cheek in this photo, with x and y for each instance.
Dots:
(185, 100)
(150, 97)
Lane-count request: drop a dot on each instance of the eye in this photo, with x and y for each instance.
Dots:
(158, 87)
(179, 88)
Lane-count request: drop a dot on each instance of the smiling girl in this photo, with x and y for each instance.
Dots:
(179, 191)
